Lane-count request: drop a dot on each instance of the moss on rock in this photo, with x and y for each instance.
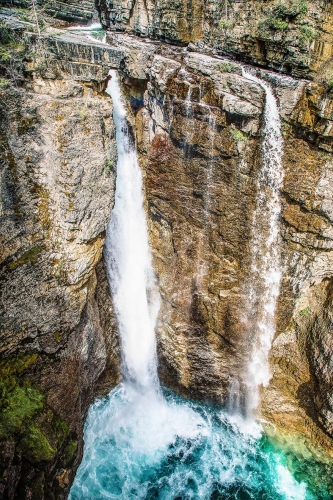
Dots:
(29, 257)
(25, 418)
(69, 452)
(35, 446)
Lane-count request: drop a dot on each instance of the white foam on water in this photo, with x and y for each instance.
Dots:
(145, 423)
(288, 486)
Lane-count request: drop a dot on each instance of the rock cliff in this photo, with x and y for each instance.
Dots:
(200, 145)
(199, 137)
(57, 175)
(66, 10)
(292, 36)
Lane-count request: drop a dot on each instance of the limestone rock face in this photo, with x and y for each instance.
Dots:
(57, 169)
(82, 11)
(293, 36)
(199, 139)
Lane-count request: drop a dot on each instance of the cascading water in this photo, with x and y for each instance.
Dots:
(265, 273)
(128, 259)
(144, 442)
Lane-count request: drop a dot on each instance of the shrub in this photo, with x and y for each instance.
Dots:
(226, 67)
(279, 24)
(238, 135)
(224, 24)
(273, 23)
(4, 54)
(283, 13)
(305, 311)
(108, 166)
(4, 83)
(307, 34)
(25, 16)
(291, 10)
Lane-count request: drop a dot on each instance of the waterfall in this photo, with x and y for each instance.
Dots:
(127, 254)
(265, 269)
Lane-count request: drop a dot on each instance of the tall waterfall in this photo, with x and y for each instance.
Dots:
(265, 269)
(128, 258)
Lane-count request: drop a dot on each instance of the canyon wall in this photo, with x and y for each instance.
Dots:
(58, 156)
(66, 10)
(290, 36)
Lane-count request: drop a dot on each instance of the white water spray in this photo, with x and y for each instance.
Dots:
(265, 260)
(86, 27)
(128, 258)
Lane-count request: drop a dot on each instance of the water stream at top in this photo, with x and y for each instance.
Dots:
(143, 442)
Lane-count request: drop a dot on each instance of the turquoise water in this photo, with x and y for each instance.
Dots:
(161, 446)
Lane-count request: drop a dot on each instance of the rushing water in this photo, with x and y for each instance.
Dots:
(144, 442)
(128, 259)
(137, 447)
(265, 272)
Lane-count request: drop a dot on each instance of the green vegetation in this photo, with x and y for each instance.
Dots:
(225, 24)
(108, 166)
(29, 257)
(99, 35)
(4, 83)
(17, 46)
(25, 15)
(329, 84)
(25, 419)
(305, 311)
(291, 9)
(238, 135)
(307, 34)
(9, 43)
(12, 52)
(35, 446)
(69, 452)
(285, 128)
(83, 113)
(57, 336)
(226, 67)
(273, 22)
(276, 23)
(282, 14)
